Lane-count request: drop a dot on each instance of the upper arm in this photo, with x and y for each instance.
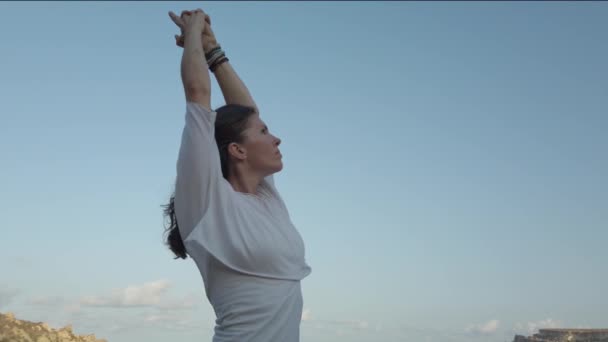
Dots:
(199, 96)
(199, 180)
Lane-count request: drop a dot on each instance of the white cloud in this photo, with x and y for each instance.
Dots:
(346, 324)
(150, 306)
(306, 315)
(148, 294)
(7, 295)
(408, 332)
(487, 328)
(530, 328)
(160, 309)
(172, 321)
(340, 327)
(70, 307)
(188, 302)
(73, 308)
(47, 301)
(104, 322)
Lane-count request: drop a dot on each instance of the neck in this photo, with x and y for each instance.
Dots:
(246, 182)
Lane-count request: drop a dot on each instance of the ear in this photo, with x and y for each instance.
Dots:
(237, 151)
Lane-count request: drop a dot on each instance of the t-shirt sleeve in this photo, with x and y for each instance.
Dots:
(199, 179)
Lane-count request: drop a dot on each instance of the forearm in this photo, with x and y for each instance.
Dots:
(194, 72)
(233, 88)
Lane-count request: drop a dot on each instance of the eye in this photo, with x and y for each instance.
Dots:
(264, 130)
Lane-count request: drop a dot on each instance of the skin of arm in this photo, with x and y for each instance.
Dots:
(233, 88)
(194, 70)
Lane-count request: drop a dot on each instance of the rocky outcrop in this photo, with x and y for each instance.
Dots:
(566, 335)
(15, 330)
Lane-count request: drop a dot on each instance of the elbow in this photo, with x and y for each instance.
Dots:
(196, 90)
(194, 81)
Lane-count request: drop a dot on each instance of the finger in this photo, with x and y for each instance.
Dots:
(179, 41)
(177, 20)
(185, 12)
(208, 30)
(199, 11)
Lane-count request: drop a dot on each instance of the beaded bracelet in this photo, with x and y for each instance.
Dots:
(214, 66)
(214, 50)
(215, 57)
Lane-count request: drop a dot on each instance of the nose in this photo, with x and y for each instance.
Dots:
(277, 141)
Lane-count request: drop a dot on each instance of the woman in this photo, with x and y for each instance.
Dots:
(226, 212)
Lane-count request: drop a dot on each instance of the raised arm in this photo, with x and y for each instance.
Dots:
(194, 70)
(199, 184)
(233, 88)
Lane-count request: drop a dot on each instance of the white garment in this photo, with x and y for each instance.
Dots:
(250, 255)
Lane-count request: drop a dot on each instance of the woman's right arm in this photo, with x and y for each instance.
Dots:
(194, 70)
(199, 183)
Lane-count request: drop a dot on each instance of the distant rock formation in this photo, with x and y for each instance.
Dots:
(566, 335)
(15, 330)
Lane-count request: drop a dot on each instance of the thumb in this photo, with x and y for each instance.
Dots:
(178, 41)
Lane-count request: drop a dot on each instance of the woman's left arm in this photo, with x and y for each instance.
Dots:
(233, 88)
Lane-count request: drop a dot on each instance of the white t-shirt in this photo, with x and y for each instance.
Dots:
(250, 255)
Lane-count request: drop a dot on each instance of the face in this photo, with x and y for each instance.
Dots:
(261, 147)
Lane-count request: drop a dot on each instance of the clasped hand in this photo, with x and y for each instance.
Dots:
(194, 21)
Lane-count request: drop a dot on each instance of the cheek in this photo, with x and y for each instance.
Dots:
(258, 150)
(263, 145)
(262, 148)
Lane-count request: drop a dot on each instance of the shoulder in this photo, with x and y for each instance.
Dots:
(269, 192)
(198, 109)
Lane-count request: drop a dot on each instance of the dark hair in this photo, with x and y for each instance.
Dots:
(230, 122)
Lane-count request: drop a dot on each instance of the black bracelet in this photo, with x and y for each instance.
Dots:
(210, 53)
(219, 54)
(216, 64)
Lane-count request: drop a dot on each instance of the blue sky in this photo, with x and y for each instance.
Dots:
(444, 162)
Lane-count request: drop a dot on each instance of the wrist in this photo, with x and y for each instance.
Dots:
(220, 67)
(192, 31)
(210, 46)
(215, 57)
